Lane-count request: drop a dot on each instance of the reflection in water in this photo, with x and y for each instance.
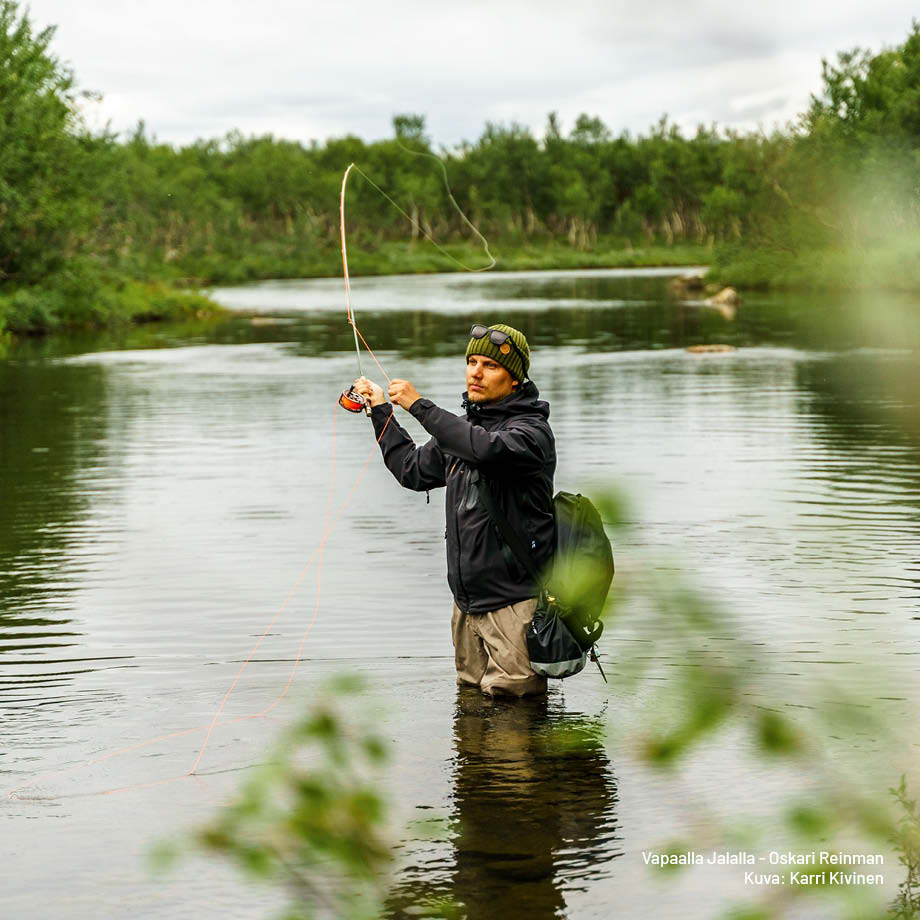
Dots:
(533, 812)
(869, 398)
(52, 428)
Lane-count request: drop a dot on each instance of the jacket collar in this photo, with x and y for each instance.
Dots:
(523, 401)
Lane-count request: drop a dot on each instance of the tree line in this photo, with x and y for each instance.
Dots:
(83, 210)
(246, 207)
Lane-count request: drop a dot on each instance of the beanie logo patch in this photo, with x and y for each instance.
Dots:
(504, 349)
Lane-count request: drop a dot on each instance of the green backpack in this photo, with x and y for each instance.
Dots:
(582, 569)
(567, 621)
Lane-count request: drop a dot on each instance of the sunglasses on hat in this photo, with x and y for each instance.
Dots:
(502, 340)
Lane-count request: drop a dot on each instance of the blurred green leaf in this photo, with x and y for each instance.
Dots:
(312, 817)
(776, 735)
(750, 912)
(811, 821)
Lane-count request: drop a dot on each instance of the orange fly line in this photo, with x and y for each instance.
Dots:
(329, 527)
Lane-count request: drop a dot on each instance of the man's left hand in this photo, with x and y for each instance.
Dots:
(403, 393)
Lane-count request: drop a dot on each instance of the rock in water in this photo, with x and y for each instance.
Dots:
(727, 297)
(710, 349)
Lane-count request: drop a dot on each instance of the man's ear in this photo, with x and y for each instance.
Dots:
(515, 383)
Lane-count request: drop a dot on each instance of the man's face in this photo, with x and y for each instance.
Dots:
(486, 380)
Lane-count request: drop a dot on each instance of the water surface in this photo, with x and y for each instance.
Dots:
(166, 487)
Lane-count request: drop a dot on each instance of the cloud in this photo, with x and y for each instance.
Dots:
(201, 68)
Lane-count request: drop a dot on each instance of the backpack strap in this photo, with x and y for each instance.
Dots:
(509, 534)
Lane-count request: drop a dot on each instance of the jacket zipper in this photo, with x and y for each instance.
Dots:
(461, 588)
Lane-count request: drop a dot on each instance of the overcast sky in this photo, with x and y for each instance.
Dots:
(305, 70)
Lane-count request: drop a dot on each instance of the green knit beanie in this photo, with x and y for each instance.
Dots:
(509, 358)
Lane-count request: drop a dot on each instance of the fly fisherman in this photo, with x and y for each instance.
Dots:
(504, 438)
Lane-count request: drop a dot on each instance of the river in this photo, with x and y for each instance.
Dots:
(164, 488)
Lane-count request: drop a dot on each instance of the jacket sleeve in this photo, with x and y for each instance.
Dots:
(524, 444)
(417, 468)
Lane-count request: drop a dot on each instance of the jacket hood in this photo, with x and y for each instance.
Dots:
(523, 401)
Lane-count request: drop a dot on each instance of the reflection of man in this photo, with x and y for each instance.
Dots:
(534, 798)
(533, 814)
(506, 439)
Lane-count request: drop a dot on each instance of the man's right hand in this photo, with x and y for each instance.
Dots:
(370, 389)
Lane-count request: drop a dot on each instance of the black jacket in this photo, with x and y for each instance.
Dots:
(511, 444)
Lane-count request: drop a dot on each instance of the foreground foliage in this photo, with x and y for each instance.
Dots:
(311, 819)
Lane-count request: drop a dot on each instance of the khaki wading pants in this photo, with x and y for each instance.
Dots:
(490, 650)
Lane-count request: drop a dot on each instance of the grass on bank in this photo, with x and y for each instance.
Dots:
(84, 296)
(398, 258)
(894, 266)
(81, 300)
(273, 258)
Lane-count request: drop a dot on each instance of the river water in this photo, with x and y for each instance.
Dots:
(165, 487)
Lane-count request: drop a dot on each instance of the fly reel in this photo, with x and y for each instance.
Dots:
(354, 401)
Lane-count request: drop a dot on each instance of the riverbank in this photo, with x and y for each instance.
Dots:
(68, 302)
(79, 300)
(893, 267)
(274, 259)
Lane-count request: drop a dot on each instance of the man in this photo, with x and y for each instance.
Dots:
(506, 441)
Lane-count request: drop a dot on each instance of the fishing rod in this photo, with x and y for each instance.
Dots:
(350, 399)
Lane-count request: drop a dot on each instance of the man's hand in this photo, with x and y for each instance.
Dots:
(403, 393)
(371, 390)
